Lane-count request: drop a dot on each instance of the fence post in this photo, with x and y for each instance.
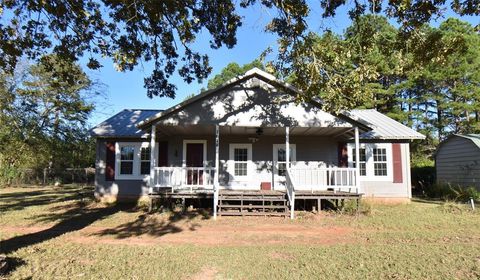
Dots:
(44, 176)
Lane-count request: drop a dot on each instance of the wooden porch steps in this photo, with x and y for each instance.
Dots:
(252, 203)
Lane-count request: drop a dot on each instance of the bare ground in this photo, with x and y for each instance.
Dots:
(231, 231)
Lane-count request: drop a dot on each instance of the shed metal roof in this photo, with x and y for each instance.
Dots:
(475, 138)
(123, 124)
(383, 127)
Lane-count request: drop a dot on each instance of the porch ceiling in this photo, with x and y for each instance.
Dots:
(336, 132)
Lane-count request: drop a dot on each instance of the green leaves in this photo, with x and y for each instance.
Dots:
(345, 72)
(43, 113)
(428, 80)
(231, 71)
(164, 32)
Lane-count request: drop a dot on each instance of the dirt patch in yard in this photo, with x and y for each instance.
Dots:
(227, 235)
(224, 232)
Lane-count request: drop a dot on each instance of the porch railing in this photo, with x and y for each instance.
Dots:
(186, 178)
(318, 179)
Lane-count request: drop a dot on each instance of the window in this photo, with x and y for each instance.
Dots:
(363, 161)
(380, 161)
(240, 160)
(375, 161)
(282, 161)
(132, 160)
(145, 160)
(240, 157)
(126, 159)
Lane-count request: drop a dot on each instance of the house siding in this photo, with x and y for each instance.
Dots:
(457, 162)
(127, 189)
(252, 104)
(389, 189)
(310, 151)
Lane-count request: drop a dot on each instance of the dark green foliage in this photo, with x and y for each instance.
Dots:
(422, 178)
(164, 32)
(43, 115)
(427, 80)
(231, 71)
(450, 192)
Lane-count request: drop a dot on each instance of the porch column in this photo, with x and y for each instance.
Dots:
(287, 146)
(217, 170)
(153, 158)
(287, 160)
(357, 159)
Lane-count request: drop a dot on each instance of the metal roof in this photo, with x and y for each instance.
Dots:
(128, 123)
(123, 124)
(475, 138)
(383, 127)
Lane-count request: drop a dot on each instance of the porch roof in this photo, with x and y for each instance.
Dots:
(337, 132)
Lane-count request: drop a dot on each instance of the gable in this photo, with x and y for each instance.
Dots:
(252, 102)
(457, 147)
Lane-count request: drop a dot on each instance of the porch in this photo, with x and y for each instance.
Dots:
(202, 180)
(251, 160)
(255, 202)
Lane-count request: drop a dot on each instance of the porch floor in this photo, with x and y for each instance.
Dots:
(299, 194)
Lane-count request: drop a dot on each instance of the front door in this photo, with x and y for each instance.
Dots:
(280, 164)
(194, 158)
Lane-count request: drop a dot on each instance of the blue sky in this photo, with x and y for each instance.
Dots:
(126, 91)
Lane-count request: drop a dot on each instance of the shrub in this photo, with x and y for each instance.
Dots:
(423, 177)
(350, 207)
(452, 208)
(449, 192)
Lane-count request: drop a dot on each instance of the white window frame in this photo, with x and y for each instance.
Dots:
(353, 162)
(136, 160)
(231, 161)
(141, 161)
(293, 159)
(370, 176)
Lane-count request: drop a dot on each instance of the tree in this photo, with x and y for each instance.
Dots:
(445, 82)
(43, 114)
(164, 32)
(322, 67)
(231, 71)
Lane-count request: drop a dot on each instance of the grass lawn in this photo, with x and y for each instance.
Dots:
(61, 233)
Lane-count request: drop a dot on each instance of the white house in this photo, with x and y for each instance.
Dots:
(249, 135)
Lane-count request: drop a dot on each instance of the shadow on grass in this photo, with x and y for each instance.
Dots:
(12, 264)
(78, 218)
(150, 225)
(427, 200)
(80, 214)
(17, 201)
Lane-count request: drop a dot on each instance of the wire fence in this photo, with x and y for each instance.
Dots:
(49, 176)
